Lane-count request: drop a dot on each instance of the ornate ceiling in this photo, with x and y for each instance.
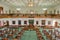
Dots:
(36, 2)
(31, 4)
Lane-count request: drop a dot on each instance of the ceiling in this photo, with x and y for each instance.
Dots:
(42, 3)
(37, 4)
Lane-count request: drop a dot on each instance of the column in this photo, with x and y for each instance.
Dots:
(22, 22)
(40, 22)
(27, 22)
(10, 22)
(46, 23)
(34, 22)
(16, 22)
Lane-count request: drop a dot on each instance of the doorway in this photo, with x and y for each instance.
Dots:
(31, 22)
(56, 24)
(7, 23)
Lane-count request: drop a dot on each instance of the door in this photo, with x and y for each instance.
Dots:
(56, 24)
(31, 22)
(7, 23)
(19, 22)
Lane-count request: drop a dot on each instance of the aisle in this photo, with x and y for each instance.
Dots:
(29, 35)
(42, 33)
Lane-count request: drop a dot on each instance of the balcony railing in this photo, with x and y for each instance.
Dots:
(28, 15)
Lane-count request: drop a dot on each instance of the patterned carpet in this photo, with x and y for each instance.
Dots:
(29, 35)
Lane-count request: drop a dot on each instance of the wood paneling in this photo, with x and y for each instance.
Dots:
(29, 16)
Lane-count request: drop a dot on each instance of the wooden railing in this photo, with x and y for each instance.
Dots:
(29, 15)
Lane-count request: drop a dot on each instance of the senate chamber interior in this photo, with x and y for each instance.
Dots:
(29, 19)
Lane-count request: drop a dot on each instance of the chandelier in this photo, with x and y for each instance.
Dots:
(31, 3)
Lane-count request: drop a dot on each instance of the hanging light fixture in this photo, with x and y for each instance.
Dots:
(18, 9)
(31, 4)
(32, 12)
(44, 9)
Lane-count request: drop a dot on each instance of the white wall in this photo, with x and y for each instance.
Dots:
(27, 19)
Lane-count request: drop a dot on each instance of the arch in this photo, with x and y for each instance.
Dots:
(56, 24)
(1, 10)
